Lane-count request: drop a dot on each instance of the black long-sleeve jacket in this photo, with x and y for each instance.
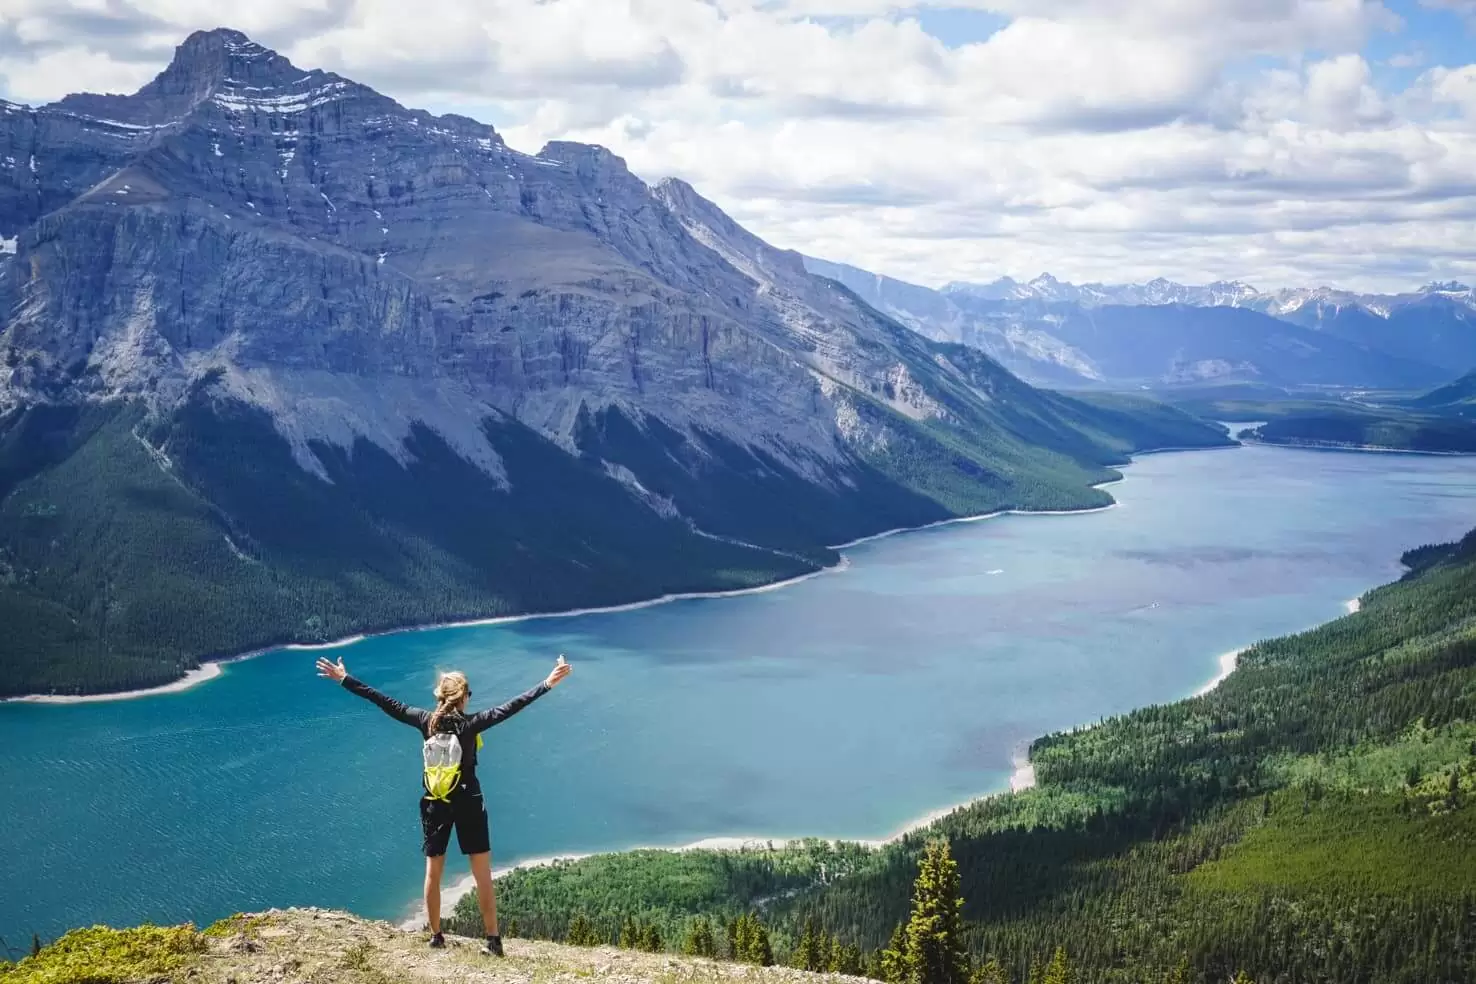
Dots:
(466, 726)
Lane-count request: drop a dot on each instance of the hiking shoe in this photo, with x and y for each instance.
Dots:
(438, 941)
(493, 947)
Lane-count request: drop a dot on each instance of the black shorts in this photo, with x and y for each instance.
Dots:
(466, 812)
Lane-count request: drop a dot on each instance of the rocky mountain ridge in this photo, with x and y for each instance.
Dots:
(268, 323)
(1221, 293)
(1158, 291)
(252, 156)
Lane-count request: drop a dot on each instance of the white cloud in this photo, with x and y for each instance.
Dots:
(1099, 139)
(1454, 87)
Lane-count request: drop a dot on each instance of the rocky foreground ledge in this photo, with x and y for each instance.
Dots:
(317, 946)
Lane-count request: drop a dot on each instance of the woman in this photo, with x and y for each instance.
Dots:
(460, 805)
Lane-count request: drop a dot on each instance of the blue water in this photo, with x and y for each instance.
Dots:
(846, 705)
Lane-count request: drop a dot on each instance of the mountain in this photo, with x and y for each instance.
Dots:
(1457, 399)
(1029, 351)
(283, 360)
(1155, 336)
(1159, 291)
(1221, 293)
(1435, 325)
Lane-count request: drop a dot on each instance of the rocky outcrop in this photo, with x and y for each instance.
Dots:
(267, 225)
(329, 947)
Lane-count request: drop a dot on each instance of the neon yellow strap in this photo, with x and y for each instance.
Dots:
(440, 781)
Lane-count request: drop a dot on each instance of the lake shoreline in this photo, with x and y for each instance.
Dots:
(1021, 779)
(1355, 448)
(210, 667)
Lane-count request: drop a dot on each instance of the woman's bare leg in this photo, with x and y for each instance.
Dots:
(433, 869)
(481, 866)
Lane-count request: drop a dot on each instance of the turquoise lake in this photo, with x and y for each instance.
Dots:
(846, 705)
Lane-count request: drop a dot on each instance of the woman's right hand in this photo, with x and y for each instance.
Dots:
(560, 670)
(333, 671)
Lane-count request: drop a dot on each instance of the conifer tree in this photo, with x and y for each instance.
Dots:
(651, 940)
(806, 942)
(742, 937)
(893, 960)
(760, 952)
(990, 973)
(732, 933)
(807, 955)
(581, 932)
(630, 934)
(752, 942)
(1180, 974)
(874, 968)
(845, 959)
(1059, 971)
(935, 944)
(764, 952)
(699, 942)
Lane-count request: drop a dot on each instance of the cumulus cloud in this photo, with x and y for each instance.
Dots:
(1455, 87)
(1097, 139)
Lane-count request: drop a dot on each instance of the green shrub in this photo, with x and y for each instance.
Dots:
(101, 955)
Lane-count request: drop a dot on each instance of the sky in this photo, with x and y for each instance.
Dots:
(1277, 142)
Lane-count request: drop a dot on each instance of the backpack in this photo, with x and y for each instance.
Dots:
(442, 765)
(442, 754)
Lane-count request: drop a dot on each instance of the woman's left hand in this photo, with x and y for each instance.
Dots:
(560, 670)
(331, 670)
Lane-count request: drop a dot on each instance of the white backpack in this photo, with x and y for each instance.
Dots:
(442, 765)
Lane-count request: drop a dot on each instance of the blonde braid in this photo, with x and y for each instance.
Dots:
(451, 694)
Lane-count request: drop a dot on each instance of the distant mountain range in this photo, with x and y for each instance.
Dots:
(283, 360)
(1164, 335)
(1221, 293)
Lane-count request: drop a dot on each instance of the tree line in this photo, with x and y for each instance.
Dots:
(1310, 820)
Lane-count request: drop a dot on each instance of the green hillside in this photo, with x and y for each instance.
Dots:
(133, 546)
(1393, 430)
(1457, 398)
(1311, 820)
(1373, 421)
(129, 551)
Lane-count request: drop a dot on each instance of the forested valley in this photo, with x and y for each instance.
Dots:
(1313, 819)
